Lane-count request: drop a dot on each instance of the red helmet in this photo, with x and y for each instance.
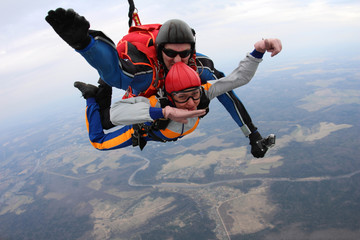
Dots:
(181, 77)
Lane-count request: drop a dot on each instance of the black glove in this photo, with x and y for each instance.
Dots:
(256, 150)
(70, 26)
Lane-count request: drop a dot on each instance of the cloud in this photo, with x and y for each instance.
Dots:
(33, 59)
(329, 97)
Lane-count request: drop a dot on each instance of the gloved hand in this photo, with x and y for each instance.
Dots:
(70, 26)
(256, 151)
(181, 115)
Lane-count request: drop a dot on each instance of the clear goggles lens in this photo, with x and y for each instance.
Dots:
(184, 96)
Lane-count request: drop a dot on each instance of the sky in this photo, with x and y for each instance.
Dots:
(37, 68)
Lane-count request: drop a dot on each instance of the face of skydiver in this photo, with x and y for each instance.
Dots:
(183, 86)
(170, 50)
(176, 35)
(187, 99)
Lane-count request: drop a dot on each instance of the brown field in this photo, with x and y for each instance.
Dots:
(247, 213)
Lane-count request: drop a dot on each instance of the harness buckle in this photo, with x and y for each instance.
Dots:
(137, 137)
(136, 18)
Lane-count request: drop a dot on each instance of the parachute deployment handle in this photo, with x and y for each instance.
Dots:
(133, 15)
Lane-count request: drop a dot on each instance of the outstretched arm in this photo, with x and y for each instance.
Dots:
(70, 26)
(97, 49)
(232, 102)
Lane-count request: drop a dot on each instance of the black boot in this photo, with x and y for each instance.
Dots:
(87, 90)
(103, 98)
(103, 95)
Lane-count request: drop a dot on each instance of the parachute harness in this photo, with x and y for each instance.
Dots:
(142, 130)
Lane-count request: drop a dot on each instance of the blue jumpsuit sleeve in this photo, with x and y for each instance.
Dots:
(116, 72)
(234, 106)
(104, 58)
(229, 100)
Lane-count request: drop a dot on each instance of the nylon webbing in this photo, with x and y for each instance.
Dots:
(131, 11)
(133, 15)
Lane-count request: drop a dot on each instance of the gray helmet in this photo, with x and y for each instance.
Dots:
(174, 31)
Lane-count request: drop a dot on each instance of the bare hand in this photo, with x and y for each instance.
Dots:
(272, 45)
(181, 115)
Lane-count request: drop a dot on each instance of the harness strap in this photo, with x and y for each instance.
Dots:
(131, 11)
(148, 51)
(141, 130)
(204, 102)
(137, 137)
(133, 16)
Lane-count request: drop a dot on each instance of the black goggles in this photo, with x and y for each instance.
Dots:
(185, 95)
(172, 53)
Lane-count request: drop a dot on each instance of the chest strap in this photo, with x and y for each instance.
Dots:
(142, 130)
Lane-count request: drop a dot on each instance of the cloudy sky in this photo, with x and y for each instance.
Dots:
(37, 69)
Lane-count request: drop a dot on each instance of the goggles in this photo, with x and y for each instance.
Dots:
(172, 53)
(185, 95)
